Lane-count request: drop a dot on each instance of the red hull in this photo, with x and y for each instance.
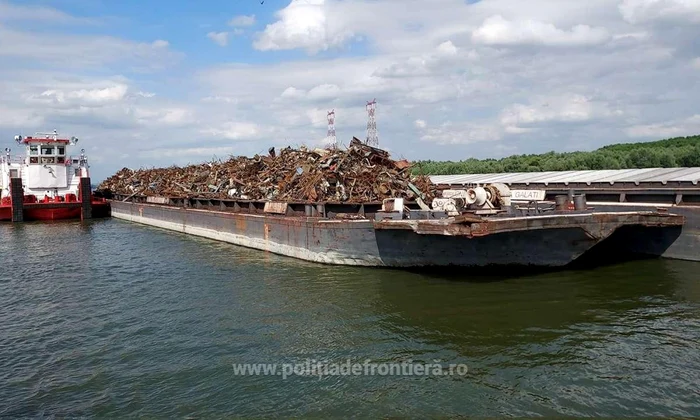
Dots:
(47, 211)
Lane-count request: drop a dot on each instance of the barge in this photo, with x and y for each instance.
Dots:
(622, 190)
(47, 183)
(477, 227)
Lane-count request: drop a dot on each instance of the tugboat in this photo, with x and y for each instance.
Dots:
(47, 183)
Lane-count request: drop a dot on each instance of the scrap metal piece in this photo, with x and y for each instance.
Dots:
(357, 174)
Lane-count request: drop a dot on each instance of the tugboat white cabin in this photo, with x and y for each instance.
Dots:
(47, 183)
(47, 171)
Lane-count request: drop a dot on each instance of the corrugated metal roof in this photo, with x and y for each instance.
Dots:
(661, 175)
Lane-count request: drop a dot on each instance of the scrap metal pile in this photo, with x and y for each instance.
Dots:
(360, 174)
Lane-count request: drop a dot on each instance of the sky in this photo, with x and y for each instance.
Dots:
(156, 83)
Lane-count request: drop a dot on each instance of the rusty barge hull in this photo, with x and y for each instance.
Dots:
(545, 241)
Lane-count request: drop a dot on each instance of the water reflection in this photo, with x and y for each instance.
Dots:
(533, 308)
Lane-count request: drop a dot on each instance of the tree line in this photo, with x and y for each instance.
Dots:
(669, 153)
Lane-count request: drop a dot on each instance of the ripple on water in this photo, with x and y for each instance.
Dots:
(142, 322)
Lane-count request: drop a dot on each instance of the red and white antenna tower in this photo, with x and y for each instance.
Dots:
(330, 137)
(372, 137)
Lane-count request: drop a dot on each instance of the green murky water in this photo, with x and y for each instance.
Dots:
(114, 319)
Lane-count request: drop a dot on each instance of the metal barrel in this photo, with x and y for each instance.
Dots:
(561, 202)
(580, 202)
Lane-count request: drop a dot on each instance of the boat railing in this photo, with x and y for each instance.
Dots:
(12, 159)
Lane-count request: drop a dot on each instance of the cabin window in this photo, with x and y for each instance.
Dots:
(61, 150)
(14, 173)
(33, 150)
(76, 161)
(48, 160)
(47, 150)
(33, 160)
(77, 171)
(60, 159)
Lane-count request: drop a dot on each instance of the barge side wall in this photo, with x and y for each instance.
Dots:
(356, 242)
(323, 241)
(685, 247)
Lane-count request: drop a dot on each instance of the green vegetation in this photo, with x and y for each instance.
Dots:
(670, 153)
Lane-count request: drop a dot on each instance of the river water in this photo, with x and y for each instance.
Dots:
(114, 319)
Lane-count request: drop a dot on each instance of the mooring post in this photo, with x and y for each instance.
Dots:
(17, 197)
(86, 198)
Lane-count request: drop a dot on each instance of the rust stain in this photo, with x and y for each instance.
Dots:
(480, 229)
(596, 225)
(267, 232)
(241, 224)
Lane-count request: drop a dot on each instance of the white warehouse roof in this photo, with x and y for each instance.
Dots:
(660, 175)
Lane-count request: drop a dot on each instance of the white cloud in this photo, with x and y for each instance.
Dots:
(447, 48)
(498, 31)
(222, 99)
(220, 38)
(561, 109)
(242, 20)
(14, 12)
(641, 11)
(82, 97)
(81, 103)
(443, 57)
(234, 131)
(11, 116)
(292, 92)
(512, 129)
(463, 133)
(197, 153)
(633, 36)
(326, 91)
(350, 81)
(419, 124)
(318, 117)
(673, 128)
(175, 116)
(160, 43)
(84, 51)
(437, 91)
(302, 24)
(408, 67)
